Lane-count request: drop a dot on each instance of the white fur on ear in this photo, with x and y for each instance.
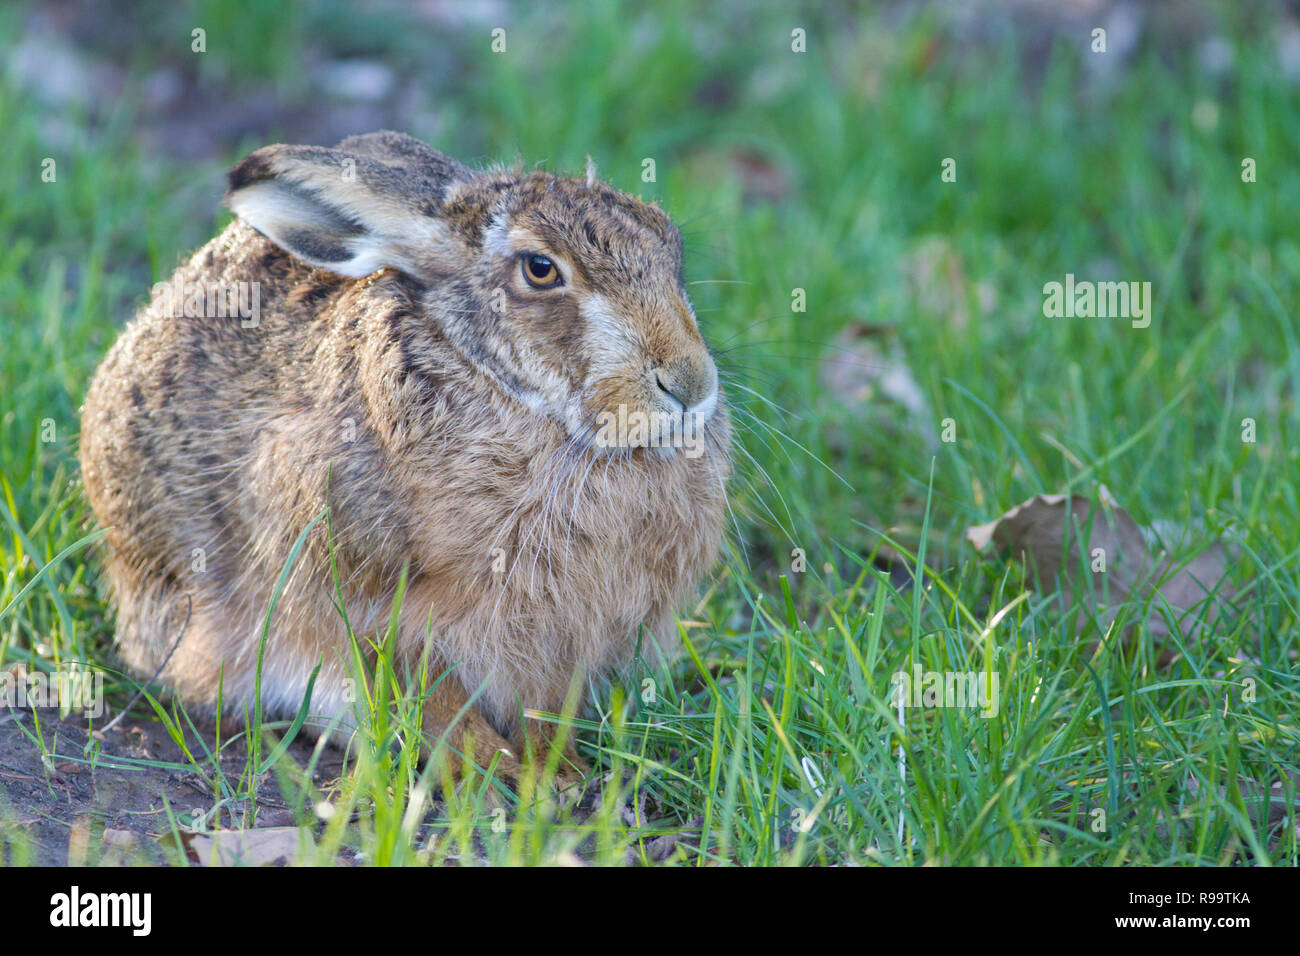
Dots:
(306, 229)
(350, 215)
(591, 171)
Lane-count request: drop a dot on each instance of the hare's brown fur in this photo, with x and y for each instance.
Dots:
(436, 429)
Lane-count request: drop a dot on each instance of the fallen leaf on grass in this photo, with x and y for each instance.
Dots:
(121, 838)
(1049, 531)
(865, 370)
(858, 370)
(264, 846)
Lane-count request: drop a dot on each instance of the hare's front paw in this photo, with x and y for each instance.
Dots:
(541, 753)
(546, 758)
(467, 740)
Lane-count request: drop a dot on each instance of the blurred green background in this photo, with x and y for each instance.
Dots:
(817, 171)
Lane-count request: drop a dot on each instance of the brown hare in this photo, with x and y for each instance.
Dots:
(494, 378)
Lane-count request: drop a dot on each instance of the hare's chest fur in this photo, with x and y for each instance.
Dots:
(530, 557)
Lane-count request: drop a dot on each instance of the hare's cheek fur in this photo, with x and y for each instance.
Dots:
(209, 442)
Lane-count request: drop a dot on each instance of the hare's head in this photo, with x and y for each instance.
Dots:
(567, 293)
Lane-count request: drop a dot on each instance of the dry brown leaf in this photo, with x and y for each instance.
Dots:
(863, 370)
(1047, 532)
(264, 846)
(121, 838)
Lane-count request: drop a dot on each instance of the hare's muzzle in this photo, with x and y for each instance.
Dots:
(688, 385)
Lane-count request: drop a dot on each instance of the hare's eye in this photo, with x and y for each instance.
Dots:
(541, 272)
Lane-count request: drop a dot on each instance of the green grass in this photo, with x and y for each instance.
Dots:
(780, 711)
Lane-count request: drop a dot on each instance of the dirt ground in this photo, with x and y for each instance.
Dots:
(63, 805)
(68, 806)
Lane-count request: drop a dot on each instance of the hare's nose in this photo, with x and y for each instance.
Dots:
(689, 384)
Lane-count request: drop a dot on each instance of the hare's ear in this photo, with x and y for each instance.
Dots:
(347, 212)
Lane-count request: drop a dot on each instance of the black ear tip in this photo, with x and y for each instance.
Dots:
(252, 168)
